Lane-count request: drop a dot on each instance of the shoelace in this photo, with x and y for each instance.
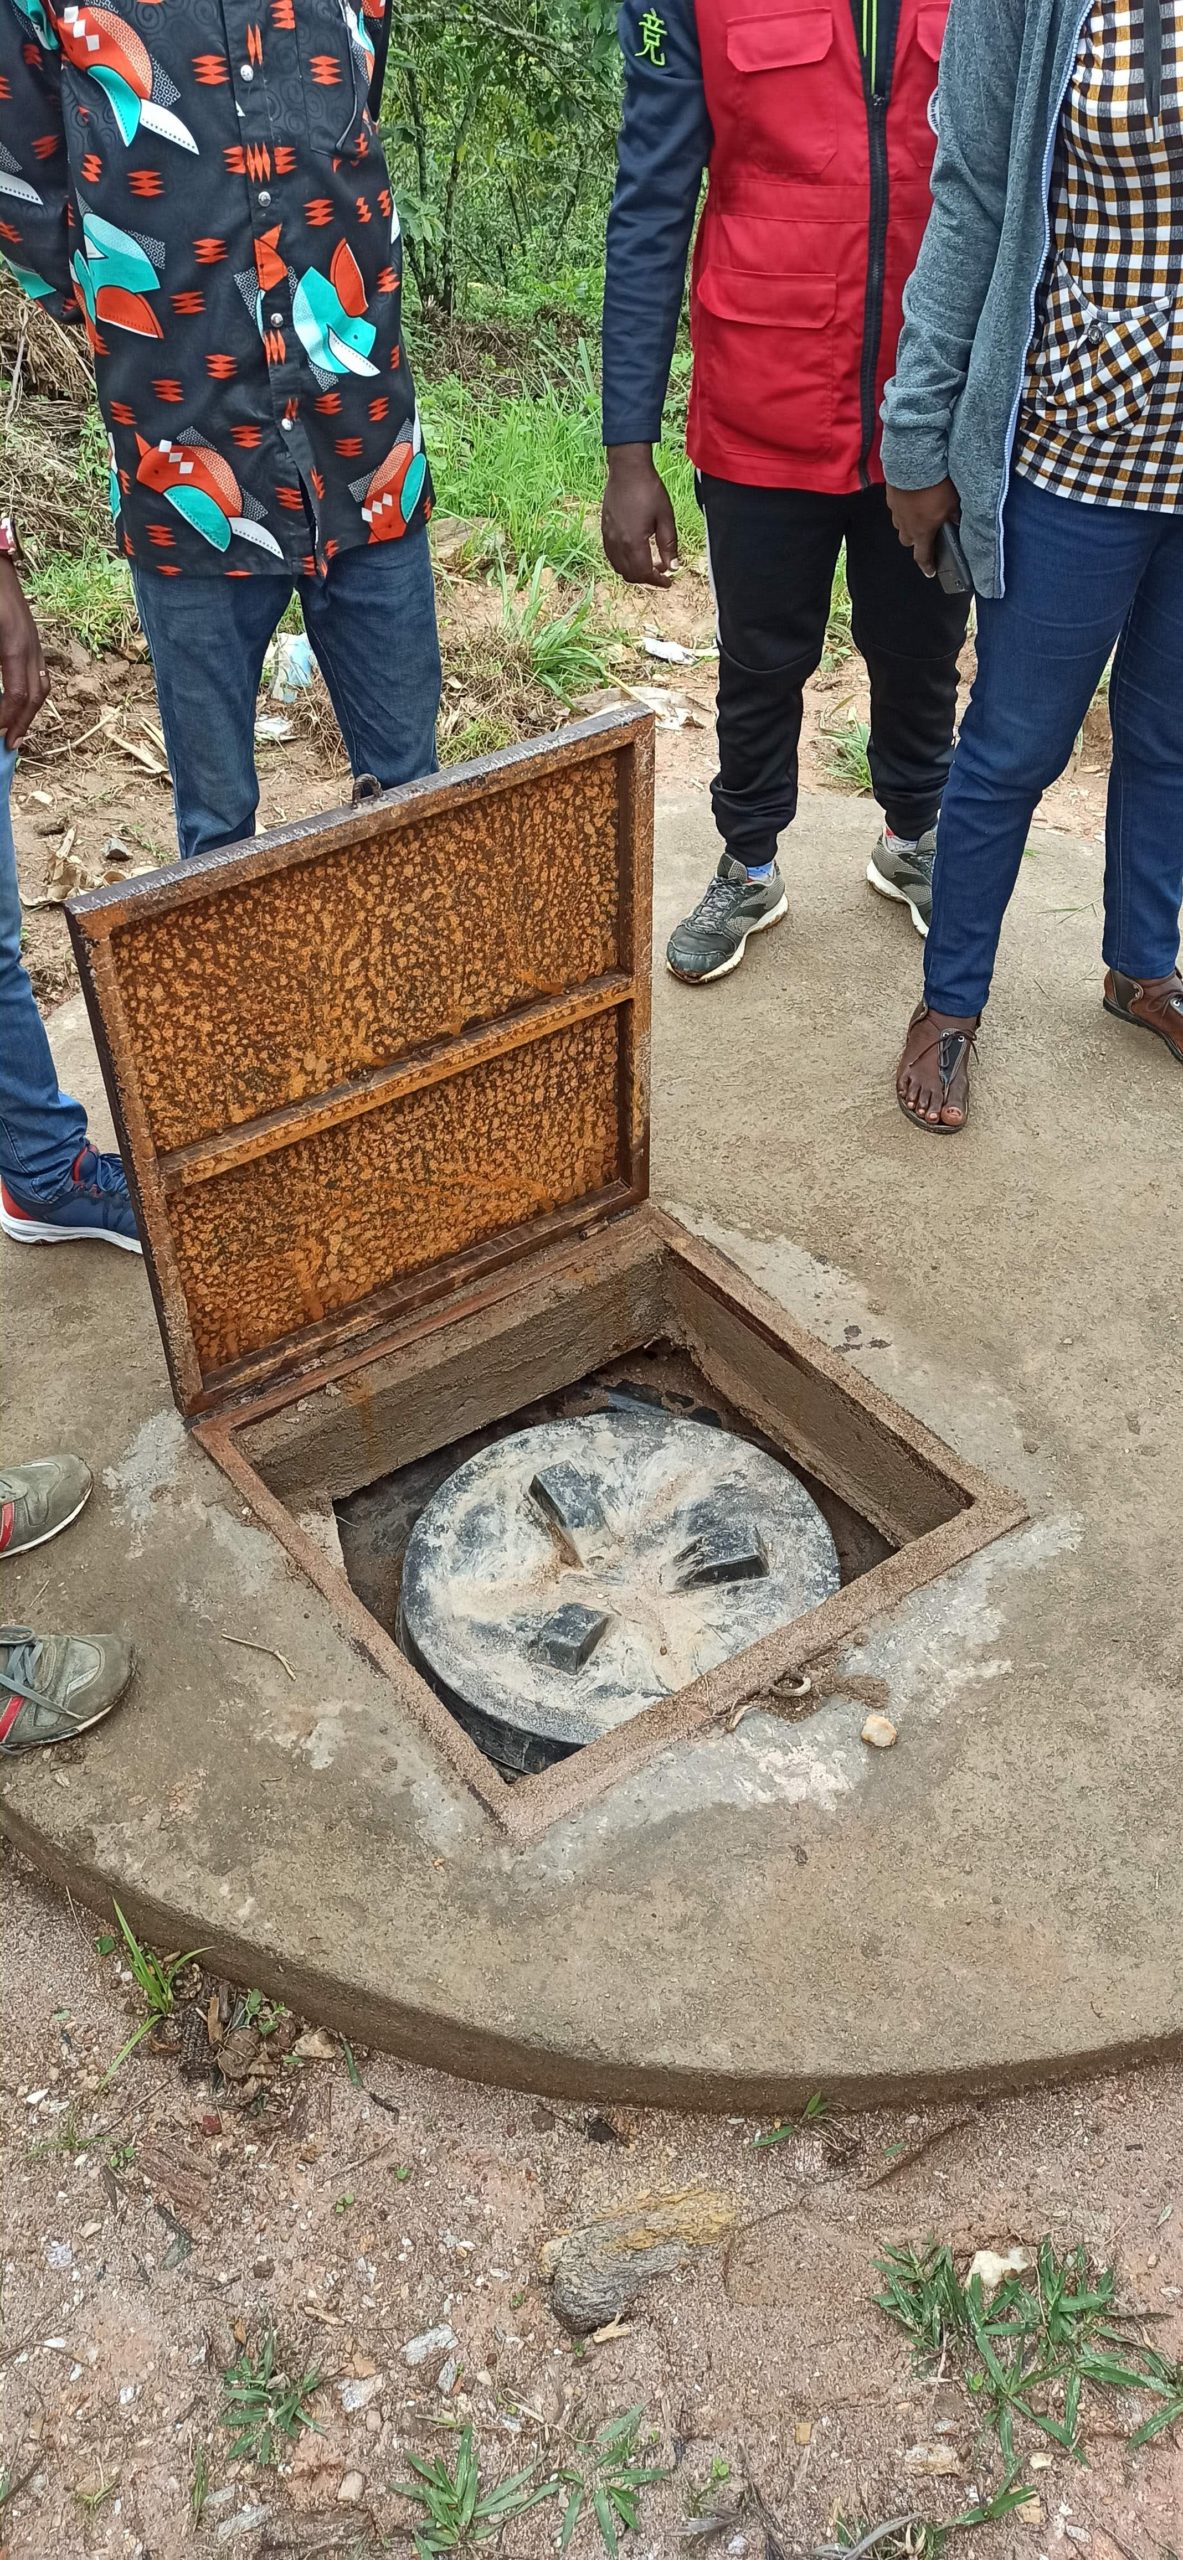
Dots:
(18, 1653)
(717, 900)
(98, 1174)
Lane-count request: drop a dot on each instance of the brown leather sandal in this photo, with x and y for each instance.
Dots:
(1158, 1009)
(952, 1050)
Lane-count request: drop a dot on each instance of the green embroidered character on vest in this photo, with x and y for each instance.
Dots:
(652, 34)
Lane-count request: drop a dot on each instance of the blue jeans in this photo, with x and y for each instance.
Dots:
(42, 1131)
(1078, 579)
(371, 622)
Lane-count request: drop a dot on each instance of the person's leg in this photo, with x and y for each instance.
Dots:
(1144, 838)
(372, 625)
(208, 638)
(772, 555)
(42, 1129)
(1072, 572)
(910, 634)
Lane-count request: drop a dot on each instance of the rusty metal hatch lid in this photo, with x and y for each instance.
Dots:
(361, 1061)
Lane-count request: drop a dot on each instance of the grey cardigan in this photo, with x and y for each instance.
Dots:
(953, 403)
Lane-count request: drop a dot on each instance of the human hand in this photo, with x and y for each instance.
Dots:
(918, 515)
(638, 517)
(24, 677)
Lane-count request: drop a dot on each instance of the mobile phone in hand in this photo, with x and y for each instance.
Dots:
(953, 569)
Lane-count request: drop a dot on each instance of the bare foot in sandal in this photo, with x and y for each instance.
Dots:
(932, 1079)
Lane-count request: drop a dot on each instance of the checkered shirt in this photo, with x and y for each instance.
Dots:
(1102, 414)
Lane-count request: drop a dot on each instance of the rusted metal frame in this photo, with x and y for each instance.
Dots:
(708, 1705)
(300, 1354)
(108, 1021)
(635, 869)
(202, 1159)
(102, 912)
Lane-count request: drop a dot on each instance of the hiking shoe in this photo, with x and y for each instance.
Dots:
(55, 1687)
(98, 1203)
(906, 874)
(39, 1500)
(713, 938)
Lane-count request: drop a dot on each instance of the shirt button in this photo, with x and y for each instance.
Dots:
(286, 424)
(277, 319)
(245, 71)
(264, 195)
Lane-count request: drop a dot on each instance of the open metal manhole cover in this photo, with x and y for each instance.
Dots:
(569, 1576)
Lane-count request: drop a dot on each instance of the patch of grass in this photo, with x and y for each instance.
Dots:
(533, 468)
(199, 2486)
(701, 2494)
(566, 655)
(480, 737)
(457, 2513)
(844, 753)
(916, 2537)
(814, 2111)
(84, 595)
(264, 2408)
(1031, 2352)
(607, 2479)
(90, 2500)
(156, 1979)
(839, 643)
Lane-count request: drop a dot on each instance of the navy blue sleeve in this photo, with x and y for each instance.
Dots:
(663, 148)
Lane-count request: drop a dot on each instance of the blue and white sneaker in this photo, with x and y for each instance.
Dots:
(97, 1204)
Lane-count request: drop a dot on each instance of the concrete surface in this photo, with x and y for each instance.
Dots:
(782, 1910)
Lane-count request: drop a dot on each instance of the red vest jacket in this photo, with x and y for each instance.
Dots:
(818, 198)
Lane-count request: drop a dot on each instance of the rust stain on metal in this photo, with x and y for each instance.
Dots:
(378, 1047)
(282, 1243)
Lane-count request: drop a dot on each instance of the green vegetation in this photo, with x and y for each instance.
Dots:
(844, 753)
(606, 2478)
(458, 2513)
(87, 593)
(264, 2408)
(156, 1978)
(1033, 2349)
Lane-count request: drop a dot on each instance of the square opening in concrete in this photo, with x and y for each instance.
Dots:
(381, 1082)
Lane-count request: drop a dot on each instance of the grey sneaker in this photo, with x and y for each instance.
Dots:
(54, 1687)
(906, 876)
(39, 1500)
(713, 938)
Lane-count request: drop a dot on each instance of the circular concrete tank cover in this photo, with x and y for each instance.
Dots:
(568, 1576)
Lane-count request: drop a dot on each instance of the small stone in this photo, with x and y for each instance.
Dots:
(596, 2272)
(803, 2432)
(432, 2343)
(352, 2489)
(993, 2269)
(1031, 2512)
(446, 2378)
(879, 1731)
(316, 2046)
(263, 2267)
(936, 2461)
(211, 2124)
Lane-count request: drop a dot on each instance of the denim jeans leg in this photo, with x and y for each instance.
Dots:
(1144, 829)
(42, 1130)
(208, 637)
(1072, 572)
(371, 622)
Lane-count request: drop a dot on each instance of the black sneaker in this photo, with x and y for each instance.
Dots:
(713, 938)
(906, 876)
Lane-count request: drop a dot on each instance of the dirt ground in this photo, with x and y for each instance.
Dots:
(158, 2224)
(154, 2225)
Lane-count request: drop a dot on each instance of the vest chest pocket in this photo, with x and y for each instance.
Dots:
(784, 91)
(1095, 369)
(914, 87)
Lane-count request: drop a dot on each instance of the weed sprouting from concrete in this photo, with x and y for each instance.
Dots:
(1028, 2348)
(264, 2408)
(156, 1979)
(457, 2513)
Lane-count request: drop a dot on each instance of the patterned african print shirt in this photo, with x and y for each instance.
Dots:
(1102, 416)
(198, 183)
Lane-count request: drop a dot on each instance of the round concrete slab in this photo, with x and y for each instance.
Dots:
(781, 1909)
